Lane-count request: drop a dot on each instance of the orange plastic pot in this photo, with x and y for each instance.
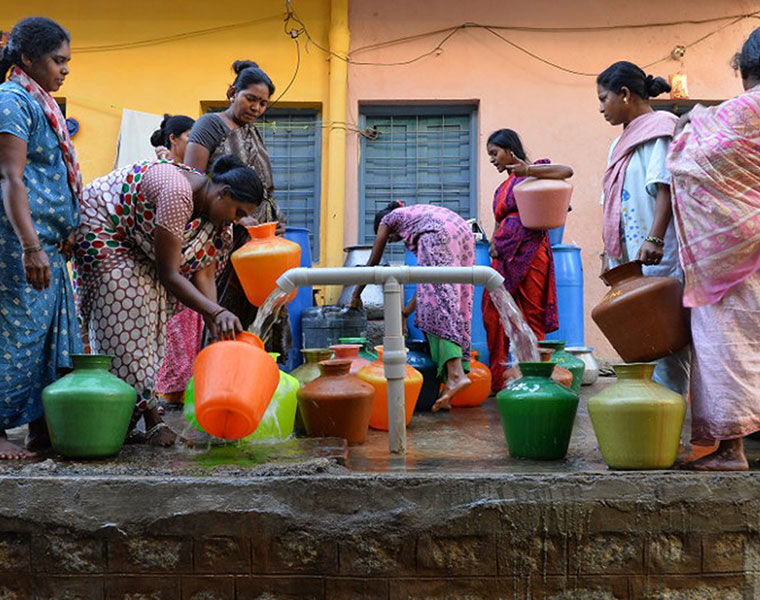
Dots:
(480, 389)
(543, 203)
(234, 383)
(374, 374)
(261, 261)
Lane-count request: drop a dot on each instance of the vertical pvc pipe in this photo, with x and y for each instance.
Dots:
(394, 358)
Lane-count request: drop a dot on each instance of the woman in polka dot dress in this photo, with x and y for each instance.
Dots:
(152, 237)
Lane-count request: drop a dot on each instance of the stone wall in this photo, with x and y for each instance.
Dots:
(565, 537)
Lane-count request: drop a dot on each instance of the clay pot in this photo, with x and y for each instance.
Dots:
(643, 317)
(537, 413)
(637, 421)
(234, 381)
(567, 361)
(479, 389)
(261, 261)
(88, 411)
(336, 404)
(374, 374)
(350, 352)
(543, 203)
(560, 374)
(586, 354)
(418, 357)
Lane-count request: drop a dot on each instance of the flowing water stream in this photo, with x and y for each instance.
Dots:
(265, 317)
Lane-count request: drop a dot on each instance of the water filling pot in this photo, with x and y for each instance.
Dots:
(372, 295)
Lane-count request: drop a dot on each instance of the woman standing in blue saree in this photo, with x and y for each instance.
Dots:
(40, 186)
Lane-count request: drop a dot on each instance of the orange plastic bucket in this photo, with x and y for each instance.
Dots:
(234, 383)
(261, 261)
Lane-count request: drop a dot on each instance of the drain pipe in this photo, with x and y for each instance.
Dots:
(394, 350)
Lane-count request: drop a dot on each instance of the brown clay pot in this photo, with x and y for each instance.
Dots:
(560, 374)
(336, 404)
(543, 203)
(643, 317)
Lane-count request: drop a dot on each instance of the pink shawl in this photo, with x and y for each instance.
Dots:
(715, 165)
(58, 123)
(642, 129)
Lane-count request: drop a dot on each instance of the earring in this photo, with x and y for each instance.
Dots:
(625, 100)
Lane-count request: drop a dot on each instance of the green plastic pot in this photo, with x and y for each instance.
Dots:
(637, 422)
(88, 411)
(278, 420)
(564, 359)
(537, 413)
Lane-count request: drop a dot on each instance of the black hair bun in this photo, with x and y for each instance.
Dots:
(240, 65)
(656, 86)
(158, 137)
(225, 163)
(393, 205)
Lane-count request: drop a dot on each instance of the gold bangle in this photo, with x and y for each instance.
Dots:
(527, 170)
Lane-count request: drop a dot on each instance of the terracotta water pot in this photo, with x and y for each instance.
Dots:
(336, 404)
(418, 357)
(643, 317)
(374, 374)
(234, 382)
(560, 374)
(261, 261)
(637, 421)
(543, 203)
(567, 361)
(479, 389)
(88, 411)
(350, 352)
(537, 413)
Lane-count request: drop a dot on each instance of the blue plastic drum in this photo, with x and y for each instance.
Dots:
(569, 273)
(304, 298)
(479, 341)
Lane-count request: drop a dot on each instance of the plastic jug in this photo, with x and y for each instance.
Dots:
(261, 261)
(234, 383)
(374, 374)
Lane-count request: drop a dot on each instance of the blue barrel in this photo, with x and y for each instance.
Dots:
(569, 273)
(555, 235)
(304, 298)
(479, 341)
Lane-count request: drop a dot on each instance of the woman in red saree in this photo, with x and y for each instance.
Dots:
(522, 256)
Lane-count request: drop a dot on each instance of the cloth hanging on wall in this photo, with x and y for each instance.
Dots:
(134, 137)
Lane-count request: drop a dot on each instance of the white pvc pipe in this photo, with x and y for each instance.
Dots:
(394, 350)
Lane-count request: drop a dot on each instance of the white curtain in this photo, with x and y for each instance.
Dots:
(134, 137)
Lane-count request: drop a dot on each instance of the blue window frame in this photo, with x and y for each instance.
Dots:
(421, 155)
(293, 137)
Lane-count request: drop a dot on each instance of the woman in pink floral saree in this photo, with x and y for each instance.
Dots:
(715, 164)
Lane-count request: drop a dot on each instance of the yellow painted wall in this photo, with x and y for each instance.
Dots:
(175, 75)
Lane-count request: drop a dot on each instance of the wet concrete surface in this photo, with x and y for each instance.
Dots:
(465, 441)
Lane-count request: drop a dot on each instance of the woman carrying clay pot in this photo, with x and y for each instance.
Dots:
(715, 163)
(152, 238)
(440, 238)
(637, 214)
(40, 186)
(522, 256)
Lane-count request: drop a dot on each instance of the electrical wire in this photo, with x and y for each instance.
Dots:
(172, 38)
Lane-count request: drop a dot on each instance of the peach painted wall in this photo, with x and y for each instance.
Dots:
(555, 113)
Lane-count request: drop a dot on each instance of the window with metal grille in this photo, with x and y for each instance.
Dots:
(293, 137)
(420, 155)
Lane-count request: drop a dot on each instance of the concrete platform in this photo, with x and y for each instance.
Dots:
(313, 519)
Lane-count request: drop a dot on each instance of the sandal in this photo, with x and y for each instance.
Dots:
(135, 436)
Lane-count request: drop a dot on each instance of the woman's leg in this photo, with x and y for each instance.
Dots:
(728, 457)
(451, 368)
(11, 451)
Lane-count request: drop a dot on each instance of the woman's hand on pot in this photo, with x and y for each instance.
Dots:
(518, 168)
(356, 301)
(280, 229)
(223, 325)
(37, 269)
(492, 251)
(650, 253)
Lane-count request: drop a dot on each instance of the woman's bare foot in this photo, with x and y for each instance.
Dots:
(157, 432)
(728, 457)
(450, 389)
(38, 437)
(10, 451)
